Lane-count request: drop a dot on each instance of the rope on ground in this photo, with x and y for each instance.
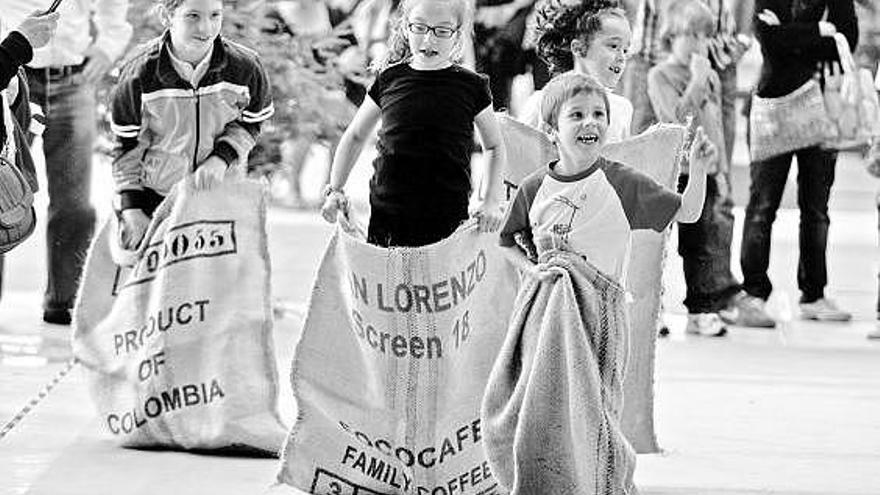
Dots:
(12, 423)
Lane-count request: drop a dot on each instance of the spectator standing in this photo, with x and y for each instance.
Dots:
(685, 86)
(62, 78)
(647, 51)
(794, 40)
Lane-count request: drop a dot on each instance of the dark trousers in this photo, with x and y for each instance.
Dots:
(69, 105)
(391, 230)
(814, 181)
(704, 247)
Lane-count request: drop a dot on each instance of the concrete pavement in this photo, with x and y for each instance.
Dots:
(794, 410)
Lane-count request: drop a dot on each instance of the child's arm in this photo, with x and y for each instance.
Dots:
(347, 153)
(238, 138)
(702, 153)
(487, 206)
(125, 122)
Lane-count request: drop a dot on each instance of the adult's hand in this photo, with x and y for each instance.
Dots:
(768, 17)
(826, 29)
(98, 64)
(38, 29)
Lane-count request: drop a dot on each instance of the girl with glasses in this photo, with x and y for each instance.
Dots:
(428, 105)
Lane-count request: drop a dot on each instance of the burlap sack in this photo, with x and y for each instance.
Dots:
(656, 152)
(179, 347)
(390, 371)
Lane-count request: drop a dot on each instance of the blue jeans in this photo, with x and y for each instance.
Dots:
(704, 247)
(69, 106)
(814, 181)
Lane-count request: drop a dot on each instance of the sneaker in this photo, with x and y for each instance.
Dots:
(746, 310)
(57, 316)
(824, 310)
(707, 324)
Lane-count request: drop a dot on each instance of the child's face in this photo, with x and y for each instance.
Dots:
(581, 127)
(432, 32)
(605, 58)
(684, 46)
(194, 25)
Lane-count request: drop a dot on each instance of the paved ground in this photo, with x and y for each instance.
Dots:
(791, 411)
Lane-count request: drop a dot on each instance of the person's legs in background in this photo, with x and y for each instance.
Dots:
(768, 180)
(706, 262)
(815, 178)
(67, 144)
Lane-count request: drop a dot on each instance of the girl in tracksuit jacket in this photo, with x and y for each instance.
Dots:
(187, 102)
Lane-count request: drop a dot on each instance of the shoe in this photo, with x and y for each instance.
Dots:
(57, 316)
(823, 309)
(746, 310)
(706, 324)
(876, 333)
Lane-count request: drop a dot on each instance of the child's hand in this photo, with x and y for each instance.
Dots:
(701, 68)
(133, 228)
(210, 173)
(703, 154)
(488, 214)
(544, 272)
(334, 202)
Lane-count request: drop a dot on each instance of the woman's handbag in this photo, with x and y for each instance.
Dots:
(791, 122)
(17, 216)
(851, 102)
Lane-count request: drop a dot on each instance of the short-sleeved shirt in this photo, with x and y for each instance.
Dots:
(426, 139)
(592, 213)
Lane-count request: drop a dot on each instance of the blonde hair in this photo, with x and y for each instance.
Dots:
(398, 42)
(686, 17)
(564, 87)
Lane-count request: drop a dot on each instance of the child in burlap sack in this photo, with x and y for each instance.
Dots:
(160, 139)
(428, 105)
(586, 205)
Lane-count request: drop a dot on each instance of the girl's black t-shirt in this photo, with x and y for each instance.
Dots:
(426, 140)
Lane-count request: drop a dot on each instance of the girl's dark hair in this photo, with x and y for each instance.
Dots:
(559, 22)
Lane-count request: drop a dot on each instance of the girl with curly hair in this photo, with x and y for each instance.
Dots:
(589, 37)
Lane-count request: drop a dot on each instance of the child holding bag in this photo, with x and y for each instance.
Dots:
(428, 105)
(160, 138)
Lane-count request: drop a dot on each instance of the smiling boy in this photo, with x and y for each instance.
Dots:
(584, 203)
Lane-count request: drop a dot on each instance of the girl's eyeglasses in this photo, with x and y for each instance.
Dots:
(439, 31)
